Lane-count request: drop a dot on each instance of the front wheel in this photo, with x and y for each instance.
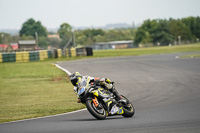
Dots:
(129, 110)
(97, 112)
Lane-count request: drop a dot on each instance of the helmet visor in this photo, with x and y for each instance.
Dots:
(74, 81)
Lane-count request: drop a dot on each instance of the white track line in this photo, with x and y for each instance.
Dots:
(177, 57)
(65, 70)
(44, 117)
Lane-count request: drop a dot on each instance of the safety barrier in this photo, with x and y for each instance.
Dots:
(84, 51)
(1, 58)
(43, 54)
(73, 52)
(59, 51)
(26, 56)
(34, 56)
(8, 57)
(22, 56)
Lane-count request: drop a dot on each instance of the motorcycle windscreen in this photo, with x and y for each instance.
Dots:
(81, 91)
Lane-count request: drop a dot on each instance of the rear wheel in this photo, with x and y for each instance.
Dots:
(128, 108)
(97, 112)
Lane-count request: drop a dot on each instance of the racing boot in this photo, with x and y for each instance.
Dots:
(119, 98)
(115, 92)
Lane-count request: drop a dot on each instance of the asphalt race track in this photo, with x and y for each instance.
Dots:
(165, 91)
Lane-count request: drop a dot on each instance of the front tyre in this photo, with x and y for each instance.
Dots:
(129, 110)
(98, 113)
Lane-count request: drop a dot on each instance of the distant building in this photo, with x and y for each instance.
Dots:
(3, 46)
(14, 46)
(27, 45)
(54, 36)
(6, 47)
(113, 45)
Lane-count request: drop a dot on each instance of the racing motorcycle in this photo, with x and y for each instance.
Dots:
(101, 102)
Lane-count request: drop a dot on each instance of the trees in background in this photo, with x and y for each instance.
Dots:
(7, 38)
(194, 25)
(92, 36)
(89, 36)
(151, 32)
(172, 31)
(65, 33)
(31, 28)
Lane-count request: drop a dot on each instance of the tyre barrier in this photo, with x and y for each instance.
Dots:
(22, 57)
(1, 58)
(84, 51)
(70, 52)
(26, 56)
(59, 52)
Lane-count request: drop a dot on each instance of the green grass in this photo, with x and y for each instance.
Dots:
(147, 51)
(34, 89)
(191, 56)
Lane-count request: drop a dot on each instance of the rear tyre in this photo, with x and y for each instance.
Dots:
(129, 111)
(98, 113)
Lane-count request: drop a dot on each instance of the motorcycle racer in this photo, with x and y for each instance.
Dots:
(105, 83)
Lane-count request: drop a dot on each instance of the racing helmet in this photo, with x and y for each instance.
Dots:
(74, 78)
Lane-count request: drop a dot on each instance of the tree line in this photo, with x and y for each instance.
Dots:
(165, 32)
(151, 32)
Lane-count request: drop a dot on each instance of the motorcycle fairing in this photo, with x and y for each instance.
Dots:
(100, 93)
(121, 111)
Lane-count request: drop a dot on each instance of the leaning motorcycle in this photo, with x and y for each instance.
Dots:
(99, 101)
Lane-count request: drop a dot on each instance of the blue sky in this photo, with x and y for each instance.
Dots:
(81, 13)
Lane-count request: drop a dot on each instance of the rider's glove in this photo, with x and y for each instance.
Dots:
(75, 90)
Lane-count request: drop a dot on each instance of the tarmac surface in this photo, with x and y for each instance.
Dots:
(164, 89)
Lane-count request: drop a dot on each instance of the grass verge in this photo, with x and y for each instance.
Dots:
(147, 51)
(191, 56)
(35, 89)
